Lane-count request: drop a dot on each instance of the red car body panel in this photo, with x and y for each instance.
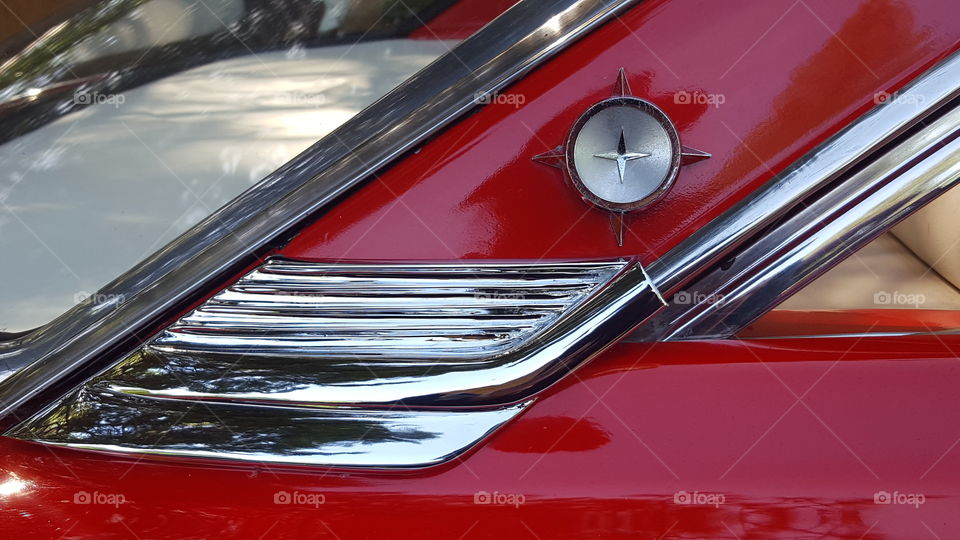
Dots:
(797, 443)
(473, 192)
(795, 435)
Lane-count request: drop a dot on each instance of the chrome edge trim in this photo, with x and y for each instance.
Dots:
(824, 233)
(334, 437)
(231, 238)
(382, 314)
(822, 165)
(497, 375)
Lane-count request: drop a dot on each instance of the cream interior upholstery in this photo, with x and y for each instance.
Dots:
(933, 234)
(885, 274)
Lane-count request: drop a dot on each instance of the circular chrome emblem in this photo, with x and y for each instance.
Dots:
(623, 154)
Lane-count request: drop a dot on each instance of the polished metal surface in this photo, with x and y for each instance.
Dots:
(228, 240)
(412, 334)
(393, 314)
(623, 153)
(98, 419)
(220, 395)
(818, 237)
(854, 145)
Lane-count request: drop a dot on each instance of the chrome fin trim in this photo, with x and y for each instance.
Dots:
(823, 233)
(231, 238)
(306, 339)
(106, 421)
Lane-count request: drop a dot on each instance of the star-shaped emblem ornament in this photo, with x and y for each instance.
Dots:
(622, 154)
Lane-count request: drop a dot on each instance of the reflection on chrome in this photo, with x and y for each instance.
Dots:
(359, 333)
(95, 419)
(226, 241)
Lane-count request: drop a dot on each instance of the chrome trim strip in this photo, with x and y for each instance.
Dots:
(821, 235)
(101, 420)
(497, 369)
(829, 161)
(389, 314)
(231, 238)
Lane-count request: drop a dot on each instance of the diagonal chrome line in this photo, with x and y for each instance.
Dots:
(434, 34)
(842, 42)
(759, 39)
(844, 244)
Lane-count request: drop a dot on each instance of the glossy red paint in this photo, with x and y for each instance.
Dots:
(795, 435)
(795, 445)
(780, 323)
(790, 74)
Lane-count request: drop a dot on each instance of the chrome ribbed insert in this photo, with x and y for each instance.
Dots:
(377, 365)
(396, 312)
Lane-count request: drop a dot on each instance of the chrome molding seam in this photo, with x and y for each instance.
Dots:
(105, 421)
(397, 314)
(231, 238)
(821, 235)
(854, 145)
(443, 346)
(274, 367)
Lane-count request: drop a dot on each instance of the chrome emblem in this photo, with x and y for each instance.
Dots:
(623, 153)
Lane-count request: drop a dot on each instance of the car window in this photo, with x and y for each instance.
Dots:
(130, 121)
